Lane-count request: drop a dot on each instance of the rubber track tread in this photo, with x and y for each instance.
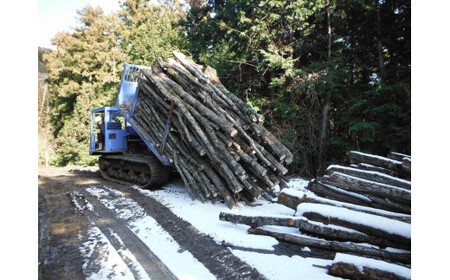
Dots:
(159, 174)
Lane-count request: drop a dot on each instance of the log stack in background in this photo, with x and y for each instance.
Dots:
(217, 142)
(371, 180)
(363, 209)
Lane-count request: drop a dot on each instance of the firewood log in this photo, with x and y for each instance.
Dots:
(336, 246)
(377, 177)
(358, 157)
(364, 186)
(350, 271)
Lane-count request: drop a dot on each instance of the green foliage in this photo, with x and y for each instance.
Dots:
(274, 54)
(84, 73)
(156, 38)
(85, 70)
(150, 31)
(41, 64)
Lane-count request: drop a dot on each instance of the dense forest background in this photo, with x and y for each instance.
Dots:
(330, 76)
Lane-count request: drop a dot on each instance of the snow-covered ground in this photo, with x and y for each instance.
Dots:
(205, 218)
(152, 234)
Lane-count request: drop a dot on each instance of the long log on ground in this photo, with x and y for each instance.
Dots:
(358, 157)
(398, 156)
(377, 177)
(322, 186)
(393, 230)
(331, 232)
(354, 272)
(335, 246)
(313, 228)
(406, 165)
(258, 221)
(363, 186)
(369, 167)
(292, 198)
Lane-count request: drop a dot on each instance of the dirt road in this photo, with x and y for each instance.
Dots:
(79, 235)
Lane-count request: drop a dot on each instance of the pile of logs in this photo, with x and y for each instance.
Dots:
(363, 209)
(217, 142)
(370, 180)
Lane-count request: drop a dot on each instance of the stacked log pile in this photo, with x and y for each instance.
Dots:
(363, 209)
(217, 142)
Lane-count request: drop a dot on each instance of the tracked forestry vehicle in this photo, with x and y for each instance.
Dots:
(127, 155)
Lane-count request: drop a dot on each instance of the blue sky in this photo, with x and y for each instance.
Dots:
(60, 15)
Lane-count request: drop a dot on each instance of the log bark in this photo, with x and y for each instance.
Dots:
(350, 271)
(400, 241)
(323, 189)
(221, 188)
(220, 148)
(326, 188)
(258, 221)
(292, 201)
(335, 246)
(312, 228)
(376, 177)
(358, 157)
(341, 234)
(369, 167)
(364, 186)
(398, 156)
(406, 165)
(219, 121)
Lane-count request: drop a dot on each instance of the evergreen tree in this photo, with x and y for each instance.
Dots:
(85, 70)
(84, 73)
(330, 76)
(151, 30)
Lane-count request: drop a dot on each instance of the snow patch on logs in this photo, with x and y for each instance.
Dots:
(362, 262)
(308, 195)
(373, 221)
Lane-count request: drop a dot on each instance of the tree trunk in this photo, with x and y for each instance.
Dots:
(292, 201)
(350, 271)
(362, 186)
(400, 241)
(376, 177)
(398, 156)
(335, 246)
(358, 157)
(326, 107)
(380, 45)
(257, 221)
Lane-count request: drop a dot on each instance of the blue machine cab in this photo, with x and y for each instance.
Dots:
(126, 156)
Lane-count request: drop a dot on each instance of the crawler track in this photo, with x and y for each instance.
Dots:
(145, 171)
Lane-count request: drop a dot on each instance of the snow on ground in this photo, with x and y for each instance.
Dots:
(125, 253)
(182, 264)
(284, 267)
(298, 183)
(110, 265)
(205, 217)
